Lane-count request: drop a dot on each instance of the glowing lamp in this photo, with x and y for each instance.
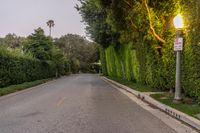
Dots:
(178, 22)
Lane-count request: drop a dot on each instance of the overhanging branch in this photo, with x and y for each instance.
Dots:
(151, 25)
(127, 3)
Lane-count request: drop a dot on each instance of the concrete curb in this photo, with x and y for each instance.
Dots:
(168, 110)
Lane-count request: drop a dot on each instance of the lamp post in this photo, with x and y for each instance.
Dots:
(178, 47)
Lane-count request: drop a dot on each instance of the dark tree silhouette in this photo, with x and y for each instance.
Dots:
(51, 24)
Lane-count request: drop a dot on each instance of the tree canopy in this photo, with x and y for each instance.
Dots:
(137, 40)
(81, 51)
(12, 41)
(39, 45)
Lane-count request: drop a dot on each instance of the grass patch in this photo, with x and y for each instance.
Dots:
(135, 86)
(15, 88)
(190, 108)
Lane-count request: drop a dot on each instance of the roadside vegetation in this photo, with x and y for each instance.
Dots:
(31, 59)
(19, 87)
(82, 53)
(134, 86)
(188, 105)
(136, 39)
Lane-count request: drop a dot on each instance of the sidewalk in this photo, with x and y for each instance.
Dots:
(145, 96)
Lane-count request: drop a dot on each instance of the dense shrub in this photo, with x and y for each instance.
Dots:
(16, 68)
(143, 67)
(137, 40)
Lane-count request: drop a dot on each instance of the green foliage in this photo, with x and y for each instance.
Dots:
(43, 48)
(135, 86)
(39, 59)
(74, 65)
(11, 41)
(127, 60)
(39, 45)
(79, 50)
(96, 19)
(103, 61)
(59, 60)
(16, 68)
(137, 41)
(191, 63)
(15, 88)
(187, 106)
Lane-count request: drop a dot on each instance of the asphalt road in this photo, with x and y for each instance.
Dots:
(75, 104)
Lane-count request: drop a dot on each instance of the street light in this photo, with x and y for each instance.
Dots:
(178, 47)
(178, 22)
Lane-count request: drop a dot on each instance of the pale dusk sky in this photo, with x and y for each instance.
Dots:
(23, 16)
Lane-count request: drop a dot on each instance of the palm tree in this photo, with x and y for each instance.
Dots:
(51, 24)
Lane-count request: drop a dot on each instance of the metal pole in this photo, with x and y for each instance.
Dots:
(178, 96)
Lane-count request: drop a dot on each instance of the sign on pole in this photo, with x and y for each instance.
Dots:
(178, 44)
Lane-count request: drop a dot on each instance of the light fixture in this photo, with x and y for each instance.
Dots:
(178, 22)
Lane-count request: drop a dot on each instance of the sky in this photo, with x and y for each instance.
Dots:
(23, 16)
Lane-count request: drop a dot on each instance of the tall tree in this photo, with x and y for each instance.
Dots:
(11, 41)
(79, 49)
(95, 18)
(51, 24)
(39, 45)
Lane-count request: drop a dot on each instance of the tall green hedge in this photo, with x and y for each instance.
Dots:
(144, 65)
(123, 62)
(137, 40)
(152, 61)
(16, 68)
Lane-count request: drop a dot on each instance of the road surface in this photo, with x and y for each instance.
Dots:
(76, 104)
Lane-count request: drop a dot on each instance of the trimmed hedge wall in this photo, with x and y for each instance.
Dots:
(144, 65)
(16, 68)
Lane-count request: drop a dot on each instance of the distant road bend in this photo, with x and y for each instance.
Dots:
(75, 104)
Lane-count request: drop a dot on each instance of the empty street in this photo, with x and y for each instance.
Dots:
(75, 104)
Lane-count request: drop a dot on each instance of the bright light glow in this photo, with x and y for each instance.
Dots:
(178, 22)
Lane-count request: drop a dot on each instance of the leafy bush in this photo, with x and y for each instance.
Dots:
(16, 68)
(137, 43)
(149, 69)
